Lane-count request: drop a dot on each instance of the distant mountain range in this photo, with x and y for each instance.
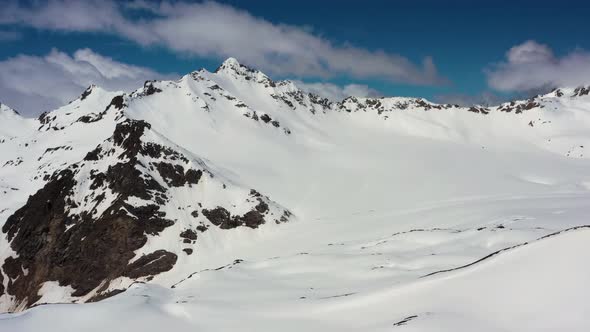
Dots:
(117, 188)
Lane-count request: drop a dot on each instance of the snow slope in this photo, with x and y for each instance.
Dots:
(387, 193)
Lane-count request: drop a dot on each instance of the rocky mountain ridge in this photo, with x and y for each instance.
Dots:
(116, 188)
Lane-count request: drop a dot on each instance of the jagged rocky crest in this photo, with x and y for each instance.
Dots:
(83, 228)
(5, 108)
(95, 206)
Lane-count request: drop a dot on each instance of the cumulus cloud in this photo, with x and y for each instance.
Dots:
(63, 15)
(33, 84)
(210, 29)
(335, 92)
(534, 66)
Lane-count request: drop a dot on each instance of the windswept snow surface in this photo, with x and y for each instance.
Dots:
(409, 217)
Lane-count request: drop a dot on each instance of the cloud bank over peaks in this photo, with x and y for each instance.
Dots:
(534, 66)
(202, 29)
(335, 92)
(34, 84)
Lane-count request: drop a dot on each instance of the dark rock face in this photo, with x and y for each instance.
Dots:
(481, 110)
(252, 219)
(172, 174)
(220, 217)
(223, 219)
(151, 264)
(87, 238)
(175, 176)
(84, 250)
(117, 102)
(1, 284)
(519, 108)
(266, 119)
(581, 91)
(188, 234)
(262, 207)
(91, 118)
(93, 155)
(11, 267)
(78, 250)
(86, 93)
(128, 135)
(193, 176)
(157, 151)
(150, 89)
(375, 104)
(45, 118)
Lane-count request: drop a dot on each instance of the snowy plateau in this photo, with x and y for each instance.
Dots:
(227, 201)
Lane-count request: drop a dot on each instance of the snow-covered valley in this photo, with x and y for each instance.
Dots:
(244, 203)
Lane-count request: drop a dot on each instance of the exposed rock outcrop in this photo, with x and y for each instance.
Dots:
(84, 227)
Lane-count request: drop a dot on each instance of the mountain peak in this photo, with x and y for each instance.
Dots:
(87, 92)
(92, 88)
(231, 64)
(232, 69)
(5, 108)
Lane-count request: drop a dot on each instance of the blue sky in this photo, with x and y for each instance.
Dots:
(463, 51)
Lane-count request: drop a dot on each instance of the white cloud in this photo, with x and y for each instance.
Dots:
(529, 52)
(335, 92)
(210, 29)
(533, 66)
(33, 84)
(64, 15)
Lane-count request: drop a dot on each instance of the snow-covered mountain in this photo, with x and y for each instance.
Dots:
(228, 194)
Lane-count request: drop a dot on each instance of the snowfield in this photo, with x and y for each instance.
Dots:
(380, 214)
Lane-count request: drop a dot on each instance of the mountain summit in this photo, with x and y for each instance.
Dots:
(5, 108)
(194, 191)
